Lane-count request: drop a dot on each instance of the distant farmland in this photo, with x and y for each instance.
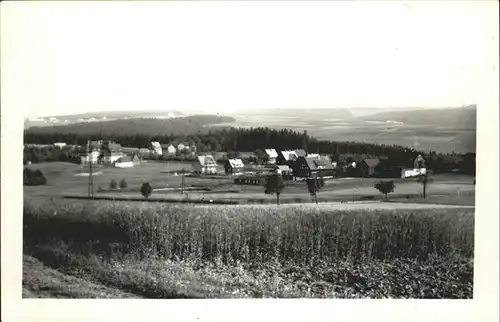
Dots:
(453, 131)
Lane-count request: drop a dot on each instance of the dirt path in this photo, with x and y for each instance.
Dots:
(356, 205)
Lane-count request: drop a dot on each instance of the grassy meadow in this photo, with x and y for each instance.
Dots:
(184, 251)
(63, 179)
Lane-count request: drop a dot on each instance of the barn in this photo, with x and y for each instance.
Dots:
(250, 180)
(286, 157)
(367, 167)
(234, 166)
(124, 162)
(205, 164)
(310, 167)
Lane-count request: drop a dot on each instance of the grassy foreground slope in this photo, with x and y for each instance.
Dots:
(159, 251)
(40, 281)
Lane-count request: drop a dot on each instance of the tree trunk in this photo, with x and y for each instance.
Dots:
(278, 198)
(385, 196)
(316, 198)
(425, 187)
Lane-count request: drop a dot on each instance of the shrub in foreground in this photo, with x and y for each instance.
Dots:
(33, 177)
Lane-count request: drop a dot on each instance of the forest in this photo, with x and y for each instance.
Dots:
(144, 125)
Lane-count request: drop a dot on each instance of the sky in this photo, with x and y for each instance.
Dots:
(67, 58)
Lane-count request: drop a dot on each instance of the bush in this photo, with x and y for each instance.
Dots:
(123, 184)
(113, 184)
(146, 190)
(33, 178)
(385, 187)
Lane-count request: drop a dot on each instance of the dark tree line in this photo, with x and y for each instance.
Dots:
(49, 154)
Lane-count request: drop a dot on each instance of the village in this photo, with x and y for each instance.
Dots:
(245, 167)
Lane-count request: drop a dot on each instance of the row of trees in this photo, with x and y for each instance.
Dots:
(49, 154)
(275, 185)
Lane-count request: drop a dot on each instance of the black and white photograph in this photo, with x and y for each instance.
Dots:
(231, 150)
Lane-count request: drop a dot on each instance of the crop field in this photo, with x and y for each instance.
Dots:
(181, 251)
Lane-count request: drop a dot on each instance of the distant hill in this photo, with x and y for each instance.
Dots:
(301, 113)
(148, 126)
(98, 117)
(457, 118)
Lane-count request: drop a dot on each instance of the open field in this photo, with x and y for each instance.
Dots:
(182, 251)
(446, 189)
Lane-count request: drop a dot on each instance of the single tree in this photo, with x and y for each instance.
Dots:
(424, 180)
(314, 185)
(123, 184)
(385, 187)
(146, 190)
(274, 184)
(113, 184)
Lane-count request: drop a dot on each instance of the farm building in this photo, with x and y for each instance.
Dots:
(367, 167)
(220, 156)
(410, 173)
(156, 147)
(234, 166)
(271, 155)
(110, 152)
(124, 162)
(307, 167)
(250, 180)
(144, 153)
(37, 146)
(419, 162)
(205, 165)
(247, 156)
(59, 145)
(417, 170)
(286, 157)
(92, 156)
(283, 170)
(181, 147)
(300, 153)
(168, 149)
(129, 150)
(136, 158)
